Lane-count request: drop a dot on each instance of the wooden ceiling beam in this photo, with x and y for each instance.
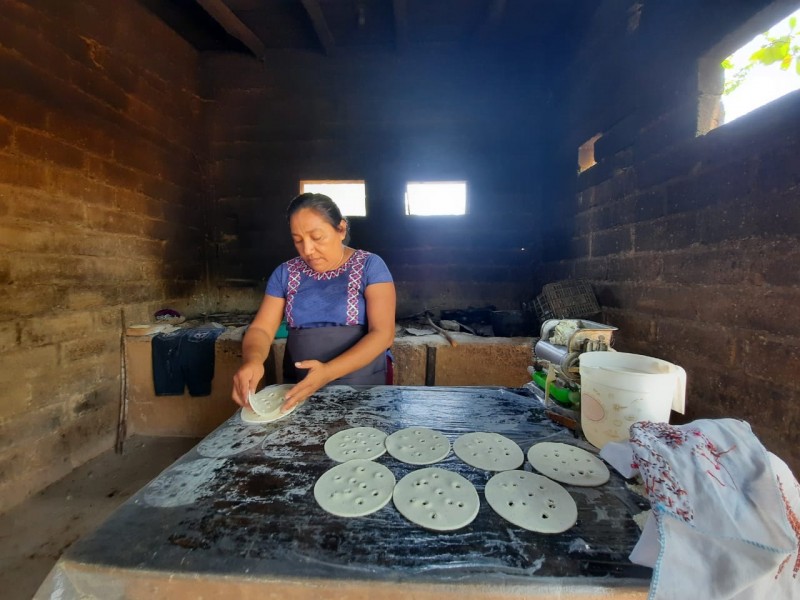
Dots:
(494, 15)
(320, 25)
(223, 15)
(400, 24)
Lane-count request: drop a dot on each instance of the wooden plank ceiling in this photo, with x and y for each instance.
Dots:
(334, 27)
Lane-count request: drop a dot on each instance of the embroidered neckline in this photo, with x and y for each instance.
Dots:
(355, 274)
(306, 270)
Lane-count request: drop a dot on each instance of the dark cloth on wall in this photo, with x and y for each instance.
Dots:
(184, 359)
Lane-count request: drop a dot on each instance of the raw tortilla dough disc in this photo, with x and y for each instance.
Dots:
(489, 451)
(269, 400)
(356, 488)
(436, 499)
(568, 464)
(358, 442)
(249, 416)
(531, 501)
(418, 446)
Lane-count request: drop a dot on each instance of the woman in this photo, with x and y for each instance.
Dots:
(339, 304)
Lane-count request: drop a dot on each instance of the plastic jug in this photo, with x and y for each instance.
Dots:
(618, 389)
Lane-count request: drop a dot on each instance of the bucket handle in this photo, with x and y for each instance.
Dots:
(679, 398)
(678, 395)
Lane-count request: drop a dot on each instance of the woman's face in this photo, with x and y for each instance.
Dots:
(317, 242)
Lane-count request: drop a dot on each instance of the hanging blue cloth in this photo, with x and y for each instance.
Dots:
(184, 359)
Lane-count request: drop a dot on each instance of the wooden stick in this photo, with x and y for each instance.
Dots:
(442, 331)
(122, 423)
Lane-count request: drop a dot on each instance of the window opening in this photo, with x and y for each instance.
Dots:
(350, 195)
(762, 70)
(586, 153)
(436, 198)
(750, 67)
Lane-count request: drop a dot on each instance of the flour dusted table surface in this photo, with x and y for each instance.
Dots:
(236, 517)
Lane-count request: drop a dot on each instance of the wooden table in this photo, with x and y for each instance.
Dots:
(236, 517)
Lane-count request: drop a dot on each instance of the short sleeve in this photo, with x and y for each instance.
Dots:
(376, 271)
(278, 282)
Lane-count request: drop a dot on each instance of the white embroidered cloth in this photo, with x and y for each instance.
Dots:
(724, 523)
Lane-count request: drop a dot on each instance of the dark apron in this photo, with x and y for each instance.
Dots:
(326, 343)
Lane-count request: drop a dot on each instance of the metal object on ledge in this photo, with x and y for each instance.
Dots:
(585, 336)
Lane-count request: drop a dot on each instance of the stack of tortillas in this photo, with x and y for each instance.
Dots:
(265, 406)
(441, 500)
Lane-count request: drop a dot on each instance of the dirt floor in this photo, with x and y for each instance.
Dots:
(34, 534)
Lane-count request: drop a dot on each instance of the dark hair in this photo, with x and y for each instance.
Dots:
(323, 206)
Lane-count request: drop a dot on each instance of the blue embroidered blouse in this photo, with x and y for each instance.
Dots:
(330, 298)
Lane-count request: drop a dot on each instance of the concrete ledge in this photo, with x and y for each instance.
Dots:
(422, 360)
(431, 360)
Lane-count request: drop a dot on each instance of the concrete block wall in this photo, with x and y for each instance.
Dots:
(692, 243)
(387, 120)
(101, 213)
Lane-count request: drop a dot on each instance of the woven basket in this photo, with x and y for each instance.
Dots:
(567, 299)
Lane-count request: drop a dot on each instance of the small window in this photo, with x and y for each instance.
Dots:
(586, 153)
(762, 70)
(750, 67)
(350, 196)
(436, 198)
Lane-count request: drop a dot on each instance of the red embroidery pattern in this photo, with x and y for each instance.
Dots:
(662, 485)
(297, 265)
(794, 521)
(354, 286)
(303, 267)
(294, 269)
(707, 451)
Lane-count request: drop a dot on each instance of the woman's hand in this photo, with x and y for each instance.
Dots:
(245, 381)
(255, 348)
(316, 377)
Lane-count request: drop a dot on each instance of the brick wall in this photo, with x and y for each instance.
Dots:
(387, 119)
(691, 243)
(101, 211)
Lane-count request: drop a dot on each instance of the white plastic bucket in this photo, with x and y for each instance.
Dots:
(618, 389)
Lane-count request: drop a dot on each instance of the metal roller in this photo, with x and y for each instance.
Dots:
(558, 356)
(550, 352)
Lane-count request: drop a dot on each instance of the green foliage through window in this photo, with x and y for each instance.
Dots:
(783, 51)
